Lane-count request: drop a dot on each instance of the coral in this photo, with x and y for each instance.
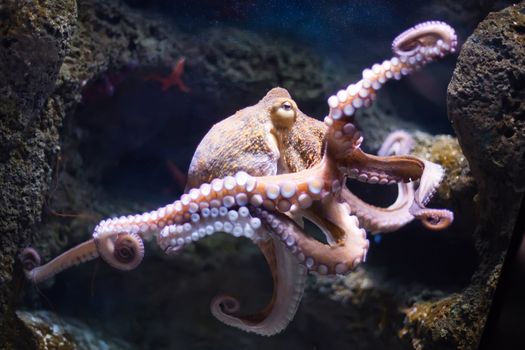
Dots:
(437, 314)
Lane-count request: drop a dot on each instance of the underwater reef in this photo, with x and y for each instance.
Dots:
(67, 69)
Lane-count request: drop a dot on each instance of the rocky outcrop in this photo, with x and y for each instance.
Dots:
(486, 104)
(35, 37)
(49, 331)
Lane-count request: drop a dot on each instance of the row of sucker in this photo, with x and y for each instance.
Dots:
(430, 180)
(372, 177)
(414, 40)
(299, 244)
(239, 190)
(398, 142)
(123, 251)
(237, 222)
(376, 219)
(427, 42)
(350, 138)
(434, 219)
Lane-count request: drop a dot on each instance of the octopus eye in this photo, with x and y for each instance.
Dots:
(287, 106)
(283, 114)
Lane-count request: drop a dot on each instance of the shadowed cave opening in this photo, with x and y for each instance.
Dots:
(139, 139)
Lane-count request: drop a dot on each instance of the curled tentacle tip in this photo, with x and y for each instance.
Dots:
(129, 250)
(224, 304)
(30, 258)
(436, 35)
(124, 253)
(438, 220)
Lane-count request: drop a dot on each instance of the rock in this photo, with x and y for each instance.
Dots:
(487, 106)
(35, 40)
(486, 103)
(50, 332)
(253, 65)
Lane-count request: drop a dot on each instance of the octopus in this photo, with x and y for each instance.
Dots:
(264, 171)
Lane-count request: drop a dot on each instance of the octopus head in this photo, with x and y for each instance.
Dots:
(283, 113)
(280, 108)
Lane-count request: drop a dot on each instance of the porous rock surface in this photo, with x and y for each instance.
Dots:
(486, 104)
(35, 37)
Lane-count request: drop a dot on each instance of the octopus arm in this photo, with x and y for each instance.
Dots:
(377, 169)
(37, 273)
(337, 258)
(289, 279)
(408, 205)
(377, 219)
(434, 219)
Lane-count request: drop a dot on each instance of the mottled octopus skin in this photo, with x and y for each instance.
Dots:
(244, 142)
(262, 171)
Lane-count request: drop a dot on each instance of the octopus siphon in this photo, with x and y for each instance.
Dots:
(266, 169)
